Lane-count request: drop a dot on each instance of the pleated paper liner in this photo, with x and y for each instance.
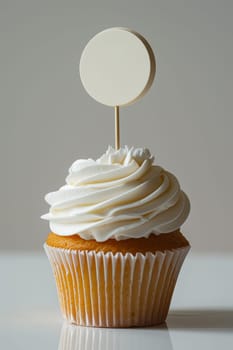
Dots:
(114, 290)
(87, 338)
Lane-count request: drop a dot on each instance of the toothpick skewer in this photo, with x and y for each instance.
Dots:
(117, 127)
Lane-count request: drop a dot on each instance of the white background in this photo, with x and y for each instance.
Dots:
(48, 120)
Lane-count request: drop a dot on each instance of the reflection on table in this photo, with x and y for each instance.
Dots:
(87, 338)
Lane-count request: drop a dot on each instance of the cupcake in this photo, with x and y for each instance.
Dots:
(115, 244)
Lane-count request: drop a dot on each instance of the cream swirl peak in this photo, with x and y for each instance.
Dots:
(121, 195)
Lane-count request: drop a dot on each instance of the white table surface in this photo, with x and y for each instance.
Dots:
(200, 317)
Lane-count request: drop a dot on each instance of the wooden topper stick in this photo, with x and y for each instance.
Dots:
(117, 127)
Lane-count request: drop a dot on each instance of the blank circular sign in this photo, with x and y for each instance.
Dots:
(117, 67)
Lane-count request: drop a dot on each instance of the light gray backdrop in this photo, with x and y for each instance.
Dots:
(48, 120)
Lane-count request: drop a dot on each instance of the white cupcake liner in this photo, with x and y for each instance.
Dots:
(115, 290)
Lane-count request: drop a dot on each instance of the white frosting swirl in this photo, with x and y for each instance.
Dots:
(120, 195)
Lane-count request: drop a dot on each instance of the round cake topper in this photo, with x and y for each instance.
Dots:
(117, 67)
